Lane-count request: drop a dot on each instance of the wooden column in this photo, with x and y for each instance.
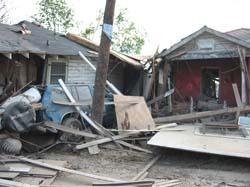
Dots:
(243, 75)
(167, 83)
(103, 61)
(166, 72)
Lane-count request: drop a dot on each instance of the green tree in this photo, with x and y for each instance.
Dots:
(3, 11)
(55, 15)
(126, 36)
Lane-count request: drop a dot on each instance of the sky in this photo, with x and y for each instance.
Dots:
(165, 21)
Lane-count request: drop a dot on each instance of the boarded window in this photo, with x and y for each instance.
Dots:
(58, 71)
(205, 44)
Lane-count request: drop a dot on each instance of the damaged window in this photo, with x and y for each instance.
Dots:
(205, 44)
(58, 71)
(210, 83)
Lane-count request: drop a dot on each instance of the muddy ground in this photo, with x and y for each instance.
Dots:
(193, 169)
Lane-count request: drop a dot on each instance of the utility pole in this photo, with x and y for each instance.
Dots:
(103, 61)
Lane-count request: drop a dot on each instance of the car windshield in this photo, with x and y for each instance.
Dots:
(79, 92)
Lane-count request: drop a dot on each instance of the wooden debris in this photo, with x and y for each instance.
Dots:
(237, 95)
(198, 115)
(142, 177)
(134, 147)
(221, 125)
(117, 137)
(137, 116)
(48, 181)
(72, 100)
(83, 103)
(129, 183)
(15, 184)
(169, 125)
(156, 99)
(59, 168)
(15, 168)
(167, 183)
(238, 100)
(146, 168)
(8, 175)
(70, 130)
(83, 115)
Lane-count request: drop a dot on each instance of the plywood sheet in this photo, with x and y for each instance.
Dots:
(8, 175)
(188, 140)
(132, 113)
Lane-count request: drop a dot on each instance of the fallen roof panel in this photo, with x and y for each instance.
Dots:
(90, 44)
(190, 141)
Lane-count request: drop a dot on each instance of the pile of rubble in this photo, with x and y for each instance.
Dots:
(36, 119)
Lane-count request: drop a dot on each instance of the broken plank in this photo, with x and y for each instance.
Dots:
(169, 125)
(72, 100)
(86, 103)
(142, 177)
(126, 183)
(221, 125)
(147, 167)
(117, 137)
(59, 168)
(70, 130)
(104, 140)
(83, 103)
(4, 182)
(49, 181)
(237, 95)
(160, 97)
(197, 115)
(8, 175)
(134, 147)
(238, 100)
(19, 169)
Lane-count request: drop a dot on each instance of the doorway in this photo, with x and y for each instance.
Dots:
(210, 83)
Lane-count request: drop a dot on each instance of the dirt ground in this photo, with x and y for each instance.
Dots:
(193, 169)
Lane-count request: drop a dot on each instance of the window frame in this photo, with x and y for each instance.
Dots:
(49, 68)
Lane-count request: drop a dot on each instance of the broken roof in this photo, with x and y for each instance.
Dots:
(90, 44)
(39, 41)
(240, 37)
(27, 37)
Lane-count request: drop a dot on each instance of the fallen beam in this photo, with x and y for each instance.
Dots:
(59, 168)
(117, 137)
(129, 183)
(69, 130)
(103, 140)
(72, 100)
(168, 93)
(198, 115)
(4, 182)
(146, 168)
(110, 85)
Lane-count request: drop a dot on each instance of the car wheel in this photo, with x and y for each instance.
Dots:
(72, 123)
(10, 146)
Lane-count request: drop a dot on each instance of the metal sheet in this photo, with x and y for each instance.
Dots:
(189, 141)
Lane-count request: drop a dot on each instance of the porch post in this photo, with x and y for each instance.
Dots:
(243, 75)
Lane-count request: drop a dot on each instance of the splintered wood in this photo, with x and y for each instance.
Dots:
(132, 113)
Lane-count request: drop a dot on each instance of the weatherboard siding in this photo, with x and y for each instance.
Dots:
(221, 49)
(80, 72)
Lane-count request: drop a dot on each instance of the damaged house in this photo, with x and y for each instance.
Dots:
(202, 68)
(30, 52)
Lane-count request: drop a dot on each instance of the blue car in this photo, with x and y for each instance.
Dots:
(58, 109)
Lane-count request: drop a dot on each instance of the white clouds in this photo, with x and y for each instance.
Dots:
(165, 21)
